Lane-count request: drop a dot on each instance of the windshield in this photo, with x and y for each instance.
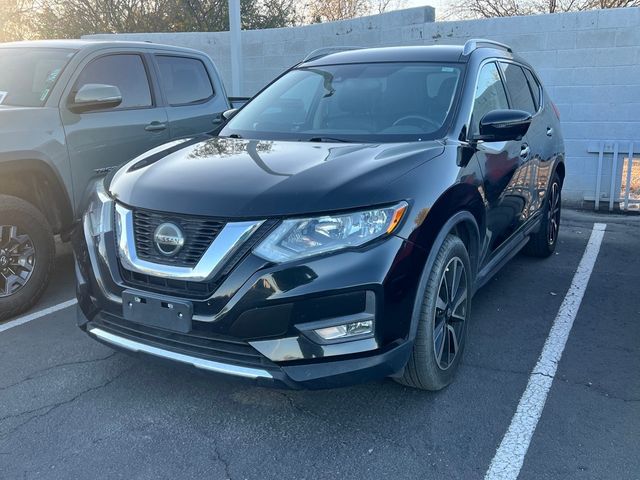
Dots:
(27, 75)
(376, 102)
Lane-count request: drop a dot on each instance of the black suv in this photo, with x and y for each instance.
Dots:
(335, 229)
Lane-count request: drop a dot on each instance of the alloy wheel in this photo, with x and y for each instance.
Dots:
(450, 313)
(17, 260)
(554, 213)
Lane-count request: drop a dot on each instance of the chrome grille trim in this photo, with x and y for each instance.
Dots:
(227, 242)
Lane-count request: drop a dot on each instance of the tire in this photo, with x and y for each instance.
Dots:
(543, 243)
(27, 253)
(427, 368)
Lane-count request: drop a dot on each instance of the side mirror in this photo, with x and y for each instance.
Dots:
(95, 96)
(229, 114)
(504, 125)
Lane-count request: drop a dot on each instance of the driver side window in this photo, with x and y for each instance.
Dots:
(490, 95)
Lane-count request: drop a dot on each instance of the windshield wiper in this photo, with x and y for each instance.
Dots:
(329, 139)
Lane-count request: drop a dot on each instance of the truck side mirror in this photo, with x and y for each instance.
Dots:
(229, 114)
(95, 96)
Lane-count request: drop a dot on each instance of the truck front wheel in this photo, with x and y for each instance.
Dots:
(27, 253)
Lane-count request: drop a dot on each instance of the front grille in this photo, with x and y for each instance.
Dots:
(197, 343)
(195, 290)
(180, 288)
(199, 232)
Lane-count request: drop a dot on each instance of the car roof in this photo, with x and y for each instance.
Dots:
(436, 53)
(89, 44)
(420, 53)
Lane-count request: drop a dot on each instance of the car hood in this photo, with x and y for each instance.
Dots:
(225, 177)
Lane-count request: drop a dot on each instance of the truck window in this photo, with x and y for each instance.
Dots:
(27, 75)
(125, 71)
(185, 80)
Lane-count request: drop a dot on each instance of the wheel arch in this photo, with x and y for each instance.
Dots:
(443, 215)
(34, 181)
(560, 170)
(458, 210)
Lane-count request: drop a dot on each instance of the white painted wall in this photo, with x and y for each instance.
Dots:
(589, 62)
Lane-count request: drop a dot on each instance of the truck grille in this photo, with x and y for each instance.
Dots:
(199, 232)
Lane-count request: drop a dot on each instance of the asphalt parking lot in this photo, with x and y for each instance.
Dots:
(71, 408)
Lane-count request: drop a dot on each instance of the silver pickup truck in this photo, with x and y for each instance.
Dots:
(70, 110)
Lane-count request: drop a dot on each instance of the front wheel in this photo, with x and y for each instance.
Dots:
(442, 325)
(27, 252)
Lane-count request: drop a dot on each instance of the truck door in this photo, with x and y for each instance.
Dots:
(193, 94)
(109, 137)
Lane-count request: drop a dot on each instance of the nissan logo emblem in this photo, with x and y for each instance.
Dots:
(168, 238)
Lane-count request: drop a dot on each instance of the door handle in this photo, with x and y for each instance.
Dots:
(524, 151)
(156, 127)
(549, 132)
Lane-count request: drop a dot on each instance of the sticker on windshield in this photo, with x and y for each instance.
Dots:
(3, 95)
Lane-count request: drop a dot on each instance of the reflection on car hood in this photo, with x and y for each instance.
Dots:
(225, 177)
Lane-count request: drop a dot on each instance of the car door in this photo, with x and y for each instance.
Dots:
(548, 139)
(521, 98)
(501, 162)
(195, 100)
(105, 138)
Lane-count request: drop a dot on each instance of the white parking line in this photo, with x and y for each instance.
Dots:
(509, 457)
(36, 315)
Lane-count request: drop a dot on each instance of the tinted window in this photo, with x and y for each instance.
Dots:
(185, 80)
(376, 102)
(518, 88)
(535, 87)
(490, 95)
(126, 72)
(27, 75)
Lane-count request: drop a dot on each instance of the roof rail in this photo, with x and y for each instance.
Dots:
(323, 52)
(476, 43)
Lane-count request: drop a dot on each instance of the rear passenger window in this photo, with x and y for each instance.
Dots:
(490, 95)
(126, 72)
(185, 80)
(518, 88)
(534, 86)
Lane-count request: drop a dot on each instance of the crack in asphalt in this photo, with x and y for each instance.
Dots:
(600, 391)
(38, 373)
(297, 407)
(223, 461)
(49, 408)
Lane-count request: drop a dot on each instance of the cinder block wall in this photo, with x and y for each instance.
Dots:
(589, 62)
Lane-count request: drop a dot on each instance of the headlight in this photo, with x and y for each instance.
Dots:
(300, 238)
(98, 217)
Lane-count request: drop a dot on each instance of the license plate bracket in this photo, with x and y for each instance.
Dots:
(157, 311)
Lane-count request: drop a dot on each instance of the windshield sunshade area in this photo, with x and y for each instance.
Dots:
(374, 102)
(27, 75)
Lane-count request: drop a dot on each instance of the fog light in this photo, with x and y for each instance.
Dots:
(345, 331)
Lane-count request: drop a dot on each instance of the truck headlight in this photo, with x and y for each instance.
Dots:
(300, 238)
(98, 215)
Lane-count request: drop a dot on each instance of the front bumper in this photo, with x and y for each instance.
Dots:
(254, 324)
(327, 374)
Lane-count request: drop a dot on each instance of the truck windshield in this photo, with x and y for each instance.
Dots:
(27, 75)
(365, 102)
